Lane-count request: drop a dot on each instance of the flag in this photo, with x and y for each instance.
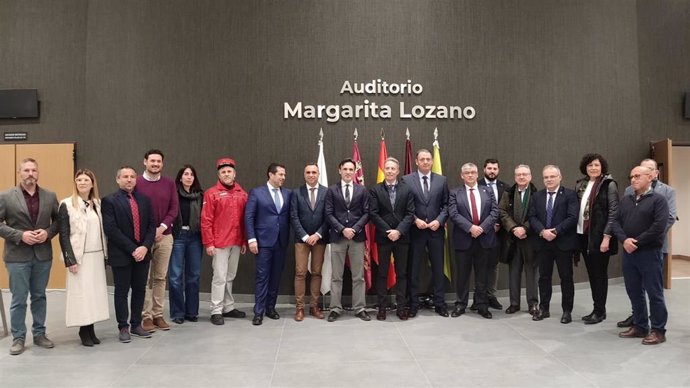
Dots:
(408, 153)
(359, 180)
(380, 177)
(436, 168)
(327, 268)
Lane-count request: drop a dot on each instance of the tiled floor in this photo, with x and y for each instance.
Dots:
(428, 351)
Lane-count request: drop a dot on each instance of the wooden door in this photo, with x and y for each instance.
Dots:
(8, 178)
(661, 152)
(56, 173)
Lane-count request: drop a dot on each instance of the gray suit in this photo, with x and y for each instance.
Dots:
(27, 265)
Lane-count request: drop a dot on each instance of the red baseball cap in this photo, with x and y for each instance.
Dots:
(225, 162)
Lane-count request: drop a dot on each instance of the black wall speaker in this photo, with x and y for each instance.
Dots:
(19, 104)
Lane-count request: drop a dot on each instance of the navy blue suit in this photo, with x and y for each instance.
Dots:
(118, 226)
(473, 252)
(561, 249)
(271, 230)
(433, 207)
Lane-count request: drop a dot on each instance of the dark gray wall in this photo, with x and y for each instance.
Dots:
(550, 81)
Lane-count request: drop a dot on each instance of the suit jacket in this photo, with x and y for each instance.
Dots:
(341, 216)
(565, 213)
(119, 227)
(459, 209)
(436, 206)
(15, 220)
(500, 187)
(385, 217)
(306, 221)
(263, 222)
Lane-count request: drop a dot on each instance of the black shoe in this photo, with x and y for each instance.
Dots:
(363, 315)
(272, 313)
(512, 309)
(533, 310)
(627, 322)
(235, 313)
(473, 307)
(541, 315)
(333, 316)
(412, 313)
(217, 319)
(85, 336)
(594, 318)
(191, 319)
(441, 310)
(485, 313)
(92, 333)
(494, 304)
(457, 311)
(566, 318)
(258, 320)
(381, 316)
(179, 321)
(588, 316)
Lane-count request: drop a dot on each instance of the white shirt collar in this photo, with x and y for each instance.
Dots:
(150, 178)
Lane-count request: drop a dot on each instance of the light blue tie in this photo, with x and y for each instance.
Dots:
(276, 199)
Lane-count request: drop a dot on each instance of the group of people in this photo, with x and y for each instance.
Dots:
(153, 230)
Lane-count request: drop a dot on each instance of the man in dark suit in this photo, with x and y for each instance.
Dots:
(430, 192)
(519, 239)
(474, 213)
(267, 224)
(28, 221)
(391, 209)
(497, 186)
(308, 218)
(347, 212)
(129, 225)
(553, 216)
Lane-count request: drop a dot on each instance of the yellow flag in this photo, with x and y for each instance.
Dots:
(436, 168)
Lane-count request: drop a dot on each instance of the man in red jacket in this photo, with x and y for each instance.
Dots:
(222, 233)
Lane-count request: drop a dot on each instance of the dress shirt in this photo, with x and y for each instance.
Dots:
(421, 180)
(494, 187)
(555, 194)
(477, 200)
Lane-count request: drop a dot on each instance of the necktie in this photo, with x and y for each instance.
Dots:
(135, 217)
(276, 199)
(473, 203)
(426, 186)
(347, 194)
(492, 185)
(312, 198)
(549, 209)
(391, 194)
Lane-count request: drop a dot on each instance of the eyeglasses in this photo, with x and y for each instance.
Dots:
(637, 176)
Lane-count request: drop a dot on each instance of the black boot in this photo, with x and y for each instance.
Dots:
(85, 337)
(92, 333)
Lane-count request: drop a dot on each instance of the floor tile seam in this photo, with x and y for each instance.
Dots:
(414, 357)
(275, 358)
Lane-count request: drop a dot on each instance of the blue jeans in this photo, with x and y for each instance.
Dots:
(183, 275)
(26, 278)
(643, 273)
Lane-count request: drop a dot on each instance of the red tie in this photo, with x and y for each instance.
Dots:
(475, 216)
(135, 217)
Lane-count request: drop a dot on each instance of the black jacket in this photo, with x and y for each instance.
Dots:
(602, 214)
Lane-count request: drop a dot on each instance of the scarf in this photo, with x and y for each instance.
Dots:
(194, 207)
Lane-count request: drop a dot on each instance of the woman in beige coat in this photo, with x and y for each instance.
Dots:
(84, 250)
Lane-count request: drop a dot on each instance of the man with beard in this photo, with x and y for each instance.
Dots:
(28, 221)
(497, 186)
(162, 192)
